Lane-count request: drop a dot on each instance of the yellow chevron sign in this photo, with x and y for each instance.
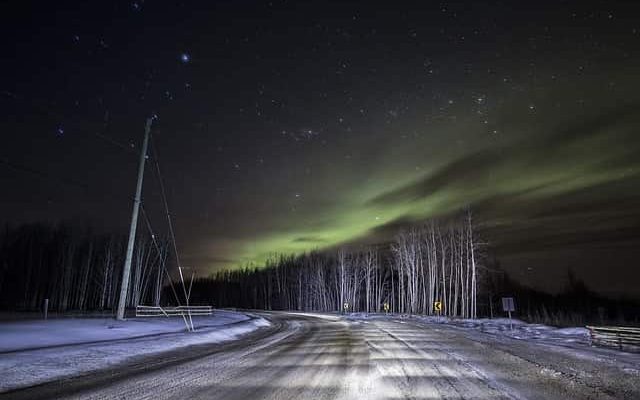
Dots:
(437, 306)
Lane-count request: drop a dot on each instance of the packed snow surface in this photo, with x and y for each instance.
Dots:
(330, 356)
(33, 352)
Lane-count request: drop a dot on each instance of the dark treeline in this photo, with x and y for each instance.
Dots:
(436, 262)
(576, 305)
(75, 269)
(442, 260)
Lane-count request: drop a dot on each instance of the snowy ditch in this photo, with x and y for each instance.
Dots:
(36, 351)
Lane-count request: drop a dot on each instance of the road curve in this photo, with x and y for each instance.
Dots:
(327, 357)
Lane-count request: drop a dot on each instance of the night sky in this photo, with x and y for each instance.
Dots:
(292, 126)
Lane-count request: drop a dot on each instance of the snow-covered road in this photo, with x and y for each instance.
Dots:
(328, 357)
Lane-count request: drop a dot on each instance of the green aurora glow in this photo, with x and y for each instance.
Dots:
(537, 163)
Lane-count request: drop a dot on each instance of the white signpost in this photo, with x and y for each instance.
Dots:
(508, 305)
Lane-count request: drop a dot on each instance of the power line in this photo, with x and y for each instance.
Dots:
(114, 142)
(157, 246)
(46, 111)
(46, 176)
(171, 231)
(164, 199)
(71, 182)
(42, 174)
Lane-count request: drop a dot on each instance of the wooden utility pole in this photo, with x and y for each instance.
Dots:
(126, 272)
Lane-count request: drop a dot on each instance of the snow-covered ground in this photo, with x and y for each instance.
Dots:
(37, 351)
(514, 328)
(328, 356)
(521, 330)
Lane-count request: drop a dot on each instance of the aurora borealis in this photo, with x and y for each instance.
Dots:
(287, 127)
(573, 170)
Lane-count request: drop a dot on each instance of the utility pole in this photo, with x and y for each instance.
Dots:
(126, 272)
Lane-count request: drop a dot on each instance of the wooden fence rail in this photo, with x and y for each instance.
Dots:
(618, 337)
(151, 311)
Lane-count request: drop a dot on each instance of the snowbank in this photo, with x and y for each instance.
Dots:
(33, 352)
(514, 328)
(521, 330)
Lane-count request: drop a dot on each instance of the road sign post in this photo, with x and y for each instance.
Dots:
(437, 308)
(509, 305)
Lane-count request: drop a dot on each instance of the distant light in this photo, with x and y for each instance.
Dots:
(185, 58)
(60, 131)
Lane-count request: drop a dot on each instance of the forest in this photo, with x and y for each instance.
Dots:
(76, 269)
(440, 260)
(436, 262)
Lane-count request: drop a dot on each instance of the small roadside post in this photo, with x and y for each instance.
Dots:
(508, 305)
(437, 307)
(45, 308)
